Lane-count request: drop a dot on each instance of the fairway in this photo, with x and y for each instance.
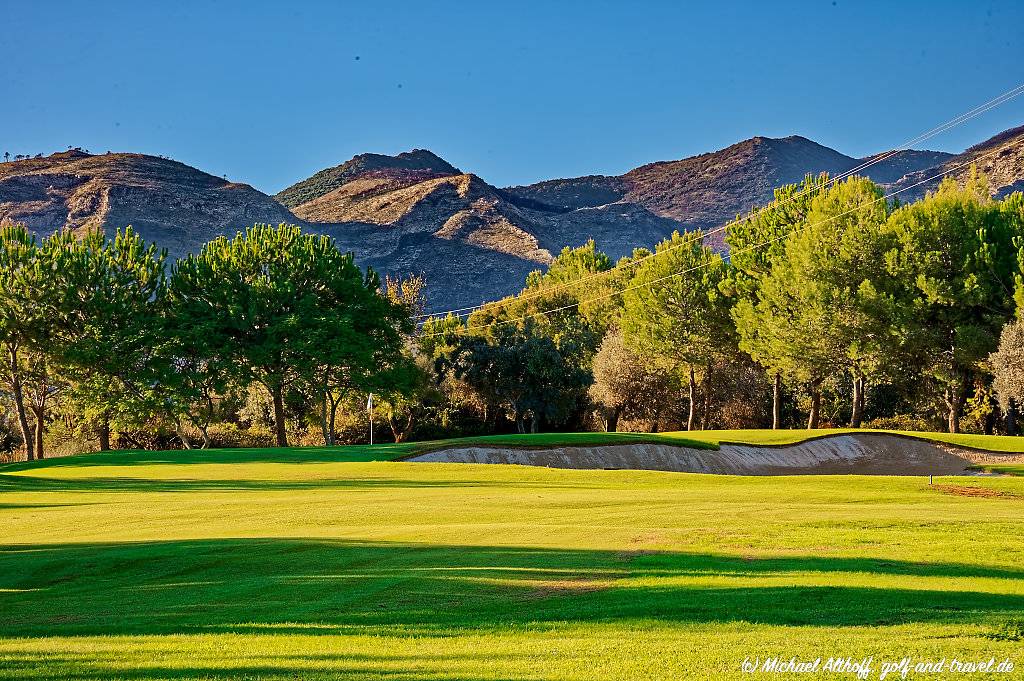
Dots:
(283, 565)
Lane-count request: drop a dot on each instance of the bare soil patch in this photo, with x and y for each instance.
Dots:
(982, 492)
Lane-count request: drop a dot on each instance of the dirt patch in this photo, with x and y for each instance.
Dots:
(981, 492)
(840, 454)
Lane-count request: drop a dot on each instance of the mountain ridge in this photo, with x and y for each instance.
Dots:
(416, 213)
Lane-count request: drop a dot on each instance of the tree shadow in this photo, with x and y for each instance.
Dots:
(295, 586)
(35, 483)
(96, 668)
(131, 457)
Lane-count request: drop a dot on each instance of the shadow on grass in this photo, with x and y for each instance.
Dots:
(33, 483)
(276, 586)
(348, 453)
(98, 668)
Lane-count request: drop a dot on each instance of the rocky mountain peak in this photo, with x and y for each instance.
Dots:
(421, 162)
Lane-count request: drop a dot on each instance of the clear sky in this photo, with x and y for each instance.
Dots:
(269, 92)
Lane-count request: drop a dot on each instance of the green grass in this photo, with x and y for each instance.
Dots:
(322, 564)
(1002, 469)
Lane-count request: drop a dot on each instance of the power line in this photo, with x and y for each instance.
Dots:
(948, 125)
(752, 247)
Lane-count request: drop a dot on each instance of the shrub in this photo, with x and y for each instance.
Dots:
(231, 435)
(900, 422)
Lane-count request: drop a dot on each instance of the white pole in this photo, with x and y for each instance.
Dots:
(369, 408)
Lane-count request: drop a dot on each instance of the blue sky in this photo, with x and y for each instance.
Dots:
(267, 93)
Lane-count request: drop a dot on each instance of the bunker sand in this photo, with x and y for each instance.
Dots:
(841, 454)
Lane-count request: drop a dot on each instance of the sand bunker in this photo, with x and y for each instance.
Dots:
(856, 454)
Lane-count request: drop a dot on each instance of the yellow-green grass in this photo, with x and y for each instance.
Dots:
(293, 565)
(1002, 469)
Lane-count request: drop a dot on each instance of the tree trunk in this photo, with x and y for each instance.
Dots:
(706, 401)
(1011, 417)
(279, 424)
(611, 425)
(205, 430)
(954, 401)
(812, 418)
(398, 431)
(324, 429)
(533, 422)
(693, 400)
(182, 435)
(39, 412)
(332, 417)
(858, 402)
(104, 433)
(18, 393)
(777, 402)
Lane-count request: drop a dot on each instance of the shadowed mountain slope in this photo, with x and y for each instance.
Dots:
(415, 213)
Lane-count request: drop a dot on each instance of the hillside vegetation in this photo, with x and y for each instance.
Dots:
(406, 164)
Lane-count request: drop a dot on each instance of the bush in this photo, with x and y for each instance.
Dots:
(900, 422)
(231, 435)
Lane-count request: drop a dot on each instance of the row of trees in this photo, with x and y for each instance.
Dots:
(833, 306)
(833, 303)
(103, 328)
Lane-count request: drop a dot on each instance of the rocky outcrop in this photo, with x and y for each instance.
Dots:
(1000, 158)
(169, 202)
(469, 240)
(415, 213)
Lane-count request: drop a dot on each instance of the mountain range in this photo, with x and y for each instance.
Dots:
(415, 213)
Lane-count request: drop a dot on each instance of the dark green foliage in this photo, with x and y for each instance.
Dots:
(526, 373)
(101, 298)
(286, 310)
(675, 314)
(22, 325)
(956, 253)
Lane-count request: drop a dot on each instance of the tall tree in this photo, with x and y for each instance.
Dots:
(824, 306)
(675, 312)
(957, 251)
(525, 372)
(101, 296)
(755, 243)
(288, 310)
(20, 317)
